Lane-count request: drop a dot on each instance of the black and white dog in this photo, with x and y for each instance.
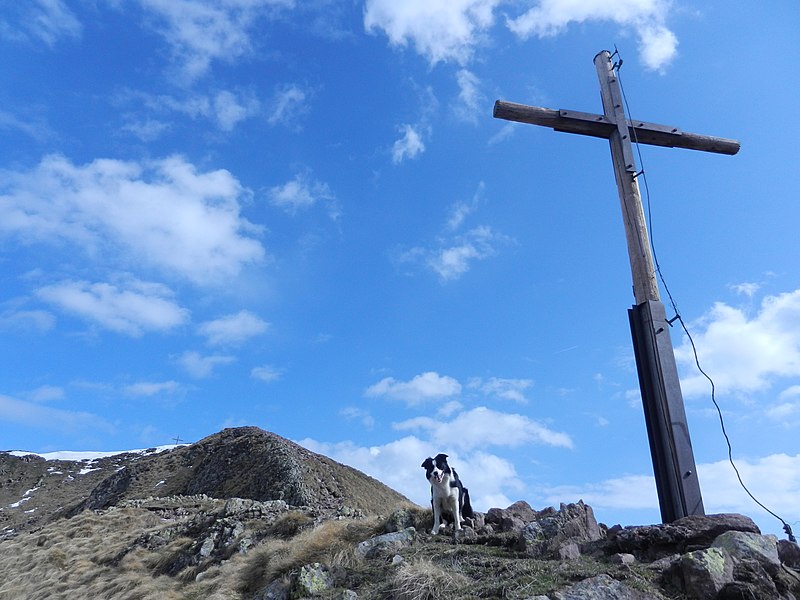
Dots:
(449, 497)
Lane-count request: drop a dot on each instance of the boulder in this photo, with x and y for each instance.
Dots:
(706, 572)
(750, 581)
(560, 534)
(501, 519)
(388, 542)
(687, 534)
(399, 520)
(744, 546)
(312, 580)
(789, 553)
(601, 587)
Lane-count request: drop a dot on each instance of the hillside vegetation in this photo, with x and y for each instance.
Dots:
(247, 515)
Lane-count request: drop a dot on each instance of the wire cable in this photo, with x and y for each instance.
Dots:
(642, 173)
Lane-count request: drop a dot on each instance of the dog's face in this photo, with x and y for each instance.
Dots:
(436, 469)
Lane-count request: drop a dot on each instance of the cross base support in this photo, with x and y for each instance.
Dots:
(668, 433)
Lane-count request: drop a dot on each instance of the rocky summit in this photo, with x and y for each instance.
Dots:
(243, 462)
(245, 514)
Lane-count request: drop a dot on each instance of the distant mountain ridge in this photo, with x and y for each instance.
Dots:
(243, 462)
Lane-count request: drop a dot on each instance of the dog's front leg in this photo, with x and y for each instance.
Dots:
(454, 508)
(437, 520)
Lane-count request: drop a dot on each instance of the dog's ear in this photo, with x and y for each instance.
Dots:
(428, 463)
(441, 457)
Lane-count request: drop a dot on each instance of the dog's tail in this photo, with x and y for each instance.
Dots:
(466, 505)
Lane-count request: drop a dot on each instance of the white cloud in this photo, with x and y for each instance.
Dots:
(748, 289)
(422, 388)
(773, 479)
(233, 329)
(451, 30)
(162, 212)
(787, 410)
(626, 492)
(47, 21)
(398, 463)
(394, 463)
(203, 31)
(482, 427)
(657, 44)
(202, 367)
(266, 373)
(744, 353)
(456, 256)
(409, 145)
(133, 308)
(36, 416)
(301, 193)
(441, 30)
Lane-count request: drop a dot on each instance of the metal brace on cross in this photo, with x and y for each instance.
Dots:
(668, 433)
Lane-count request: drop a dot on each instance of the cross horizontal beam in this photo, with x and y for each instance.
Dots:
(571, 121)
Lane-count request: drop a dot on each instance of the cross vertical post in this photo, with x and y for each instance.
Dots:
(668, 433)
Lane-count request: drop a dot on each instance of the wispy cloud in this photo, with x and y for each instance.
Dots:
(501, 387)
(201, 32)
(302, 192)
(469, 106)
(39, 321)
(454, 252)
(288, 103)
(40, 417)
(46, 393)
(152, 388)
(226, 109)
(266, 373)
(352, 413)
(234, 329)
(202, 367)
(163, 213)
(455, 256)
(45, 21)
(408, 145)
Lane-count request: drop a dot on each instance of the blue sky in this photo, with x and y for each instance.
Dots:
(302, 216)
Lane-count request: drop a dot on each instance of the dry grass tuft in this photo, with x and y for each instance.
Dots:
(424, 580)
(290, 524)
(332, 543)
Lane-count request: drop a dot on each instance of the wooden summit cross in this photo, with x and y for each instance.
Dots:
(668, 433)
